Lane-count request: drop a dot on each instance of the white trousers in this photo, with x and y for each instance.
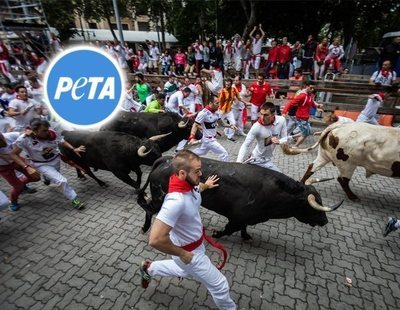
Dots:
(50, 170)
(229, 132)
(201, 269)
(238, 63)
(214, 147)
(364, 119)
(238, 116)
(265, 163)
(254, 110)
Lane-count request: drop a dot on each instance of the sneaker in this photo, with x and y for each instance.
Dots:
(29, 190)
(77, 204)
(146, 277)
(231, 139)
(390, 226)
(14, 206)
(46, 181)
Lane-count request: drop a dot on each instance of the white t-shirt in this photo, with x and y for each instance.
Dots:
(154, 53)
(181, 211)
(8, 97)
(174, 102)
(262, 134)
(256, 46)
(192, 96)
(21, 121)
(40, 150)
(217, 79)
(239, 105)
(377, 77)
(36, 93)
(208, 121)
(10, 137)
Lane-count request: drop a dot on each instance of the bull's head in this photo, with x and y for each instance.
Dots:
(144, 150)
(312, 211)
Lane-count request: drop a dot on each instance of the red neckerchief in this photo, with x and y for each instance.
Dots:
(19, 98)
(177, 185)
(385, 73)
(209, 109)
(238, 87)
(52, 136)
(381, 95)
(261, 122)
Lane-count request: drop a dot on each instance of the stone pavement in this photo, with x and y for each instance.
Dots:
(54, 257)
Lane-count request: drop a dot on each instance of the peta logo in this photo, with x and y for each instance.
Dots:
(84, 87)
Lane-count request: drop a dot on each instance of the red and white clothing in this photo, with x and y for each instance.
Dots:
(208, 121)
(258, 97)
(237, 54)
(189, 101)
(264, 149)
(335, 54)
(129, 104)
(175, 102)
(238, 107)
(226, 98)
(44, 155)
(181, 212)
(8, 168)
(319, 61)
(4, 64)
(22, 121)
(228, 56)
(304, 102)
(384, 77)
(256, 50)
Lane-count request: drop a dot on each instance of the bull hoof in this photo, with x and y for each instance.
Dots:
(102, 184)
(82, 178)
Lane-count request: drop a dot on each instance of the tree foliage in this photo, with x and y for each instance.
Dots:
(60, 15)
(365, 20)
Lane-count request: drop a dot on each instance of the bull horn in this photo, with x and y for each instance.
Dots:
(316, 180)
(183, 124)
(158, 137)
(142, 151)
(313, 203)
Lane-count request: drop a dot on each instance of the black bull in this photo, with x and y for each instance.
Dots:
(146, 125)
(117, 152)
(247, 195)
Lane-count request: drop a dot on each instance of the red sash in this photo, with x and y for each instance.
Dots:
(194, 245)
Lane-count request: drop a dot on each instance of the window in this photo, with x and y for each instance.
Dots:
(124, 26)
(92, 25)
(143, 26)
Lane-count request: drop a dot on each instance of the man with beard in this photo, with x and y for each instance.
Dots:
(178, 231)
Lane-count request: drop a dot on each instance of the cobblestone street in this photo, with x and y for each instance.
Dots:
(55, 257)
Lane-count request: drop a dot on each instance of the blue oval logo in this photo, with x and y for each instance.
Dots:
(84, 86)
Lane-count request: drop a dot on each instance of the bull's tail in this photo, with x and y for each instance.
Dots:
(141, 191)
(295, 151)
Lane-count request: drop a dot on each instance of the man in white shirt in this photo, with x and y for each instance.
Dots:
(9, 164)
(268, 131)
(189, 101)
(175, 102)
(217, 79)
(385, 76)
(154, 54)
(207, 120)
(238, 106)
(256, 47)
(178, 231)
(23, 109)
(370, 113)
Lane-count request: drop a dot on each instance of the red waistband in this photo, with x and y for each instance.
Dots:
(194, 245)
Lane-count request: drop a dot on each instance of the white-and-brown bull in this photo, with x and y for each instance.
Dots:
(348, 145)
